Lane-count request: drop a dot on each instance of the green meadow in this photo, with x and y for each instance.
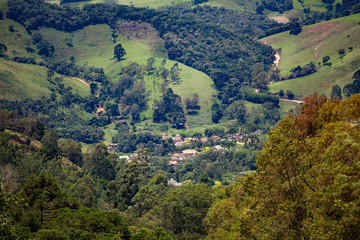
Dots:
(19, 81)
(16, 40)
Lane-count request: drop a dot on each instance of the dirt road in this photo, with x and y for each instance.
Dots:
(82, 80)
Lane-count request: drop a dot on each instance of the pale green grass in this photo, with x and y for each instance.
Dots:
(286, 107)
(19, 81)
(77, 86)
(315, 5)
(322, 81)
(297, 11)
(3, 6)
(192, 81)
(110, 132)
(91, 45)
(16, 41)
(232, 5)
(315, 42)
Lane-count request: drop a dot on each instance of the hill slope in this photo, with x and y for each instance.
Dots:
(311, 45)
(93, 46)
(19, 81)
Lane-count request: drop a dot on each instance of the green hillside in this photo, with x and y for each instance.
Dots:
(93, 46)
(314, 5)
(241, 5)
(16, 39)
(311, 45)
(19, 81)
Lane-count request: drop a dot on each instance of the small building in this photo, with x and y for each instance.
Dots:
(174, 182)
(127, 158)
(174, 163)
(215, 138)
(220, 148)
(189, 153)
(112, 147)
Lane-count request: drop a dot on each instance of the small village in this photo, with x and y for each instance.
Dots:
(180, 142)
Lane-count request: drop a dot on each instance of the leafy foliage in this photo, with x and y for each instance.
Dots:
(305, 185)
(169, 109)
(182, 209)
(119, 52)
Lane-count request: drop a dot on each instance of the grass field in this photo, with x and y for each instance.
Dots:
(311, 45)
(3, 6)
(16, 41)
(248, 6)
(19, 81)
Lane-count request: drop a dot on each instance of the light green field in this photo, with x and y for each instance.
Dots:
(93, 46)
(3, 6)
(16, 41)
(248, 6)
(19, 81)
(315, 5)
(312, 44)
(110, 132)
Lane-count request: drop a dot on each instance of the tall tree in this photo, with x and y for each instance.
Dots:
(119, 52)
(336, 92)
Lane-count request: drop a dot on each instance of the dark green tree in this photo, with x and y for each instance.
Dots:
(295, 27)
(289, 94)
(72, 151)
(336, 92)
(182, 210)
(93, 88)
(50, 148)
(119, 52)
(3, 50)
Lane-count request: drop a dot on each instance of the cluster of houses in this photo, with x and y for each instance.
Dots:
(240, 138)
(177, 158)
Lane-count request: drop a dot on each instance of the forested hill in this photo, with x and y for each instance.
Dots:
(226, 56)
(307, 182)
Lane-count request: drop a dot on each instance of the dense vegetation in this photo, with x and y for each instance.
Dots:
(52, 187)
(225, 55)
(306, 183)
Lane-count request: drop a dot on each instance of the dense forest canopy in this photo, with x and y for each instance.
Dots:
(306, 183)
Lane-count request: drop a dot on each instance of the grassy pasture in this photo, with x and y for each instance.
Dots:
(315, 5)
(248, 6)
(16, 41)
(19, 81)
(311, 45)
